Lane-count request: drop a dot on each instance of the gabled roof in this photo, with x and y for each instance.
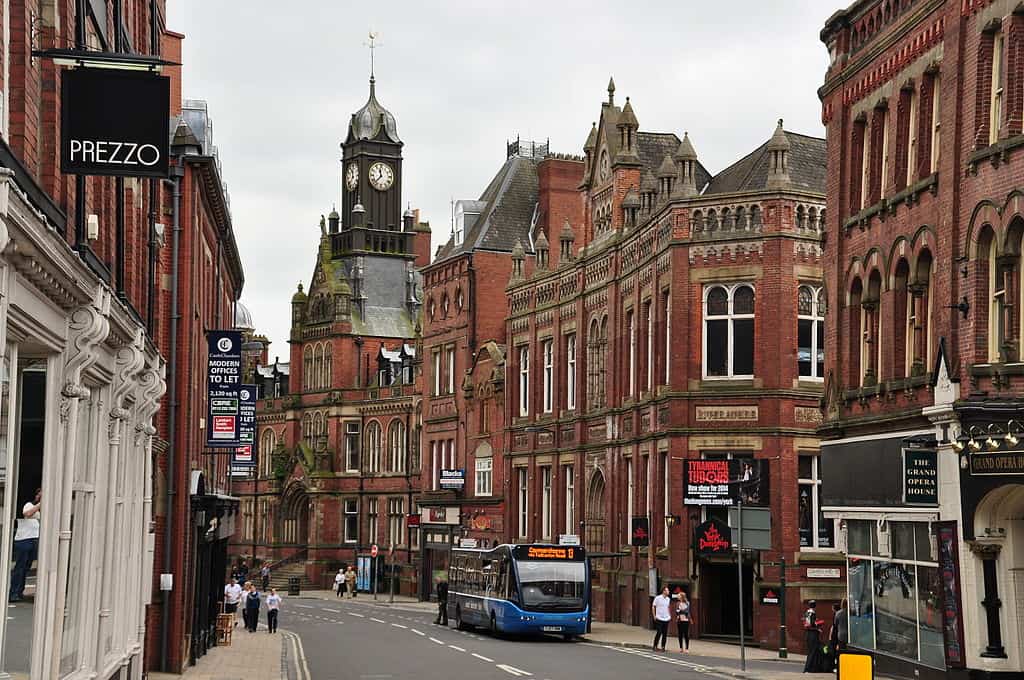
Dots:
(510, 200)
(806, 166)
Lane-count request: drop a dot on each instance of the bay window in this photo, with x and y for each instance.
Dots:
(729, 331)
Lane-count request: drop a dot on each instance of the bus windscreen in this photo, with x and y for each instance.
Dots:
(552, 585)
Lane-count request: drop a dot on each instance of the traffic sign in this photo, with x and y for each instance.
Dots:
(757, 528)
(373, 550)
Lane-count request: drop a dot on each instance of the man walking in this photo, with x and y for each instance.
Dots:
(661, 611)
(252, 608)
(26, 545)
(265, 577)
(232, 596)
(350, 581)
(273, 604)
(442, 602)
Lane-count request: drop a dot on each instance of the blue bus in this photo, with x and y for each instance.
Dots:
(520, 589)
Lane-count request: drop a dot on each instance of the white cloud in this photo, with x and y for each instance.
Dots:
(282, 80)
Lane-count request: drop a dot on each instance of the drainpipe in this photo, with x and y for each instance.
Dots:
(177, 172)
(472, 307)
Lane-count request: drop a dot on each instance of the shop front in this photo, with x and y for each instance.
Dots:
(439, 532)
(901, 576)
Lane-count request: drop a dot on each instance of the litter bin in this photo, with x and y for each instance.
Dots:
(293, 585)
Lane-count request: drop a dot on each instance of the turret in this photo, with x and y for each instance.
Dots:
(627, 125)
(567, 239)
(778, 159)
(686, 162)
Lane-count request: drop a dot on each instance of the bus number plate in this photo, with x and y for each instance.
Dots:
(551, 629)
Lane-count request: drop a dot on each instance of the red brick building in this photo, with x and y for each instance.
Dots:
(924, 111)
(642, 293)
(339, 462)
(465, 351)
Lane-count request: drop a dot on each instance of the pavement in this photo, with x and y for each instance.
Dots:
(250, 656)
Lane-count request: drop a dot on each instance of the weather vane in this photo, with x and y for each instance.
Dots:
(372, 44)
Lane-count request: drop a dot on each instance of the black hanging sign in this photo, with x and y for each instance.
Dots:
(920, 477)
(114, 122)
(713, 537)
(640, 532)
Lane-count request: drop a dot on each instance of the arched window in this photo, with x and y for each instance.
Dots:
(307, 428)
(396, 446)
(997, 307)
(307, 367)
(855, 337)
(920, 291)
(729, 331)
(811, 332)
(373, 446)
(903, 320)
(326, 384)
(595, 513)
(268, 442)
(319, 430)
(871, 323)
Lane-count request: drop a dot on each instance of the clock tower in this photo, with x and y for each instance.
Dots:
(372, 169)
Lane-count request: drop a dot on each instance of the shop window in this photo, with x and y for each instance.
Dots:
(811, 332)
(483, 476)
(815, 530)
(351, 520)
(729, 331)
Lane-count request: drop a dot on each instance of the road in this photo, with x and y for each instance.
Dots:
(357, 640)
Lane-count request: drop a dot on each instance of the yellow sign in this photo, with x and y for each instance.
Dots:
(856, 667)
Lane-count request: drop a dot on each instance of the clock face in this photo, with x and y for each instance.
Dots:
(381, 176)
(352, 176)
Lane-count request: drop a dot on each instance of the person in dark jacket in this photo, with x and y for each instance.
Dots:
(812, 635)
(442, 602)
(252, 608)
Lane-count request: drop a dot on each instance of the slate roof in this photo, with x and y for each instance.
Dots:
(654, 145)
(510, 200)
(750, 173)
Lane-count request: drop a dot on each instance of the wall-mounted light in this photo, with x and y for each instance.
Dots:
(1010, 438)
(991, 443)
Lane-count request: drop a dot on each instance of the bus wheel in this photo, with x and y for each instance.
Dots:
(459, 625)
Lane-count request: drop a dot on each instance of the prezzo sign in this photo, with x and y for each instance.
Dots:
(114, 123)
(223, 387)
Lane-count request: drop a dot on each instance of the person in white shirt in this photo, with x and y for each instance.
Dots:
(273, 604)
(232, 596)
(26, 545)
(339, 582)
(661, 611)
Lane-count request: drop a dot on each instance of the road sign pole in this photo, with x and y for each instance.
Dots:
(739, 571)
(374, 576)
(783, 652)
(391, 596)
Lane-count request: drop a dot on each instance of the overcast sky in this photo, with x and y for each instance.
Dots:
(461, 77)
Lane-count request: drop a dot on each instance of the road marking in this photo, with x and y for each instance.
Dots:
(457, 649)
(377, 620)
(433, 639)
(518, 672)
(417, 632)
(483, 658)
(301, 667)
(663, 659)
(304, 606)
(398, 625)
(333, 611)
(356, 615)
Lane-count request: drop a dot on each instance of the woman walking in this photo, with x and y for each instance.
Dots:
(812, 636)
(273, 604)
(683, 622)
(339, 582)
(252, 608)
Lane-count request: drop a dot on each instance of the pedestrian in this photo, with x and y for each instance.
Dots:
(265, 577)
(660, 610)
(840, 634)
(339, 582)
(350, 581)
(242, 604)
(812, 636)
(683, 622)
(442, 602)
(243, 572)
(273, 605)
(232, 596)
(252, 607)
(26, 545)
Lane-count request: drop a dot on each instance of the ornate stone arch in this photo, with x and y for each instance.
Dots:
(985, 213)
(596, 513)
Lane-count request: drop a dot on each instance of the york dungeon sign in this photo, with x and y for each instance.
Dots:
(223, 386)
(114, 123)
(713, 537)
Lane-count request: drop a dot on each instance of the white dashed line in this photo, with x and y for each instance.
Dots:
(417, 632)
(333, 611)
(457, 649)
(377, 620)
(398, 625)
(356, 615)
(433, 639)
(483, 658)
(304, 606)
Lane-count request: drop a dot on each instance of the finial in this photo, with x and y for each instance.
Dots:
(372, 44)
(611, 90)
